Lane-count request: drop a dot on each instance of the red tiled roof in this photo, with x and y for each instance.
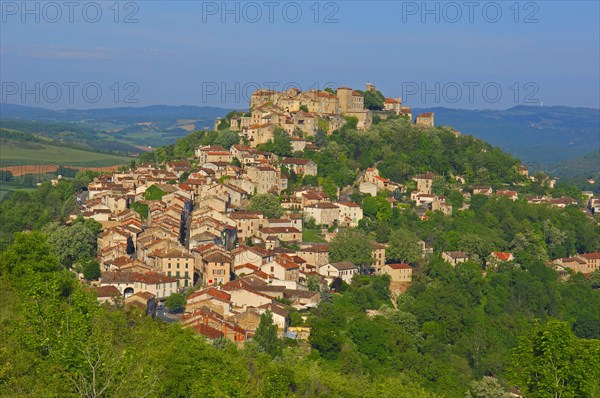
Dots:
(150, 278)
(504, 256)
(246, 265)
(211, 291)
(296, 161)
(348, 204)
(457, 254)
(207, 331)
(107, 291)
(591, 256)
(399, 266)
(217, 257)
(426, 176)
(317, 248)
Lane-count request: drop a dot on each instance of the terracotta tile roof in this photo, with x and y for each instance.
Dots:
(504, 256)
(591, 256)
(150, 278)
(217, 257)
(207, 331)
(246, 265)
(143, 295)
(296, 161)
(456, 254)
(315, 195)
(426, 176)
(279, 230)
(399, 266)
(107, 291)
(260, 274)
(573, 260)
(288, 265)
(317, 248)
(348, 204)
(211, 291)
(173, 253)
(343, 265)
(276, 308)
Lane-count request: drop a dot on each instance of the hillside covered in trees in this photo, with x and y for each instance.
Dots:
(456, 332)
(521, 325)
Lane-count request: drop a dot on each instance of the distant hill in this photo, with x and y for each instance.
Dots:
(70, 135)
(552, 138)
(587, 166)
(543, 135)
(154, 113)
(148, 126)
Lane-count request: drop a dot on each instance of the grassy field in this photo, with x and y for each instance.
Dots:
(311, 235)
(6, 188)
(14, 153)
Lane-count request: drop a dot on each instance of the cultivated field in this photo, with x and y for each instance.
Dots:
(47, 158)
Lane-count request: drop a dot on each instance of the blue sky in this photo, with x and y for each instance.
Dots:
(453, 54)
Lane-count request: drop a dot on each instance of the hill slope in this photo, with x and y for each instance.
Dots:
(149, 126)
(542, 135)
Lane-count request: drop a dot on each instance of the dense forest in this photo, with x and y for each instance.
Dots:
(454, 333)
(520, 325)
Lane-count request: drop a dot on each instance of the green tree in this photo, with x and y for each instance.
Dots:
(439, 185)
(488, 387)
(595, 279)
(352, 245)
(281, 144)
(175, 302)
(370, 206)
(74, 243)
(529, 246)
(325, 338)
(374, 100)
(552, 362)
(268, 204)
(266, 336)
(227, 138)
(91, 270)
(404, 246)
(455, 199)
(476, 245)
(320, 138)
(329, 187)
(313, 283)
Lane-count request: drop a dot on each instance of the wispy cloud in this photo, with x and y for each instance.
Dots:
(82, 54)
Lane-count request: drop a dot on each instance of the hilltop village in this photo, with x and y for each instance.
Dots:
(299, 113)
(224, 228)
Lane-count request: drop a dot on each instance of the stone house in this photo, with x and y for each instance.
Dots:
(397, 272)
